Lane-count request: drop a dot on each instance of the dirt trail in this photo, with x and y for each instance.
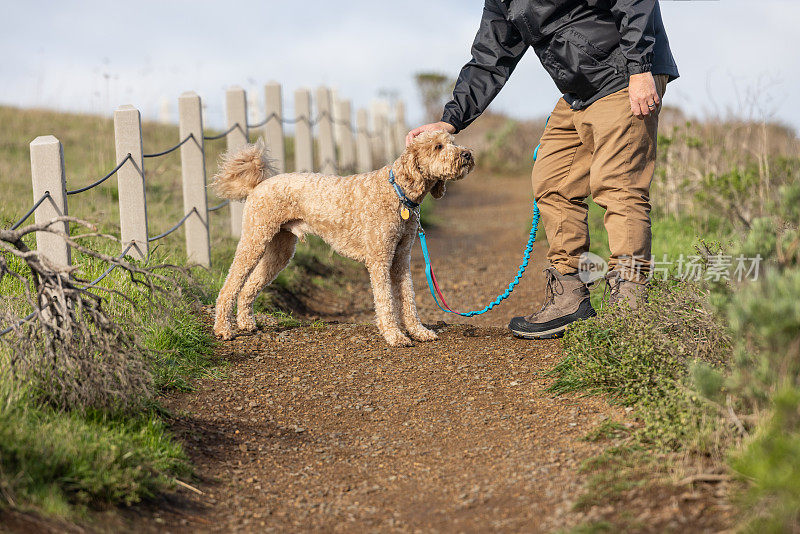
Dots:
(330, 429)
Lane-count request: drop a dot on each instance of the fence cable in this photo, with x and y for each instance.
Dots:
(30, 211)
(178, 225)
(103, 179)
(223, 134)
(219, 206)
(108, 271)
(170, 149)
(19, 323)
(303, 118)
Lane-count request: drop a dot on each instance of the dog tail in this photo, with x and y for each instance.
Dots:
(241, 171)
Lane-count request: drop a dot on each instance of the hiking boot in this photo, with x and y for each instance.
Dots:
(566, 301)
(622, 290)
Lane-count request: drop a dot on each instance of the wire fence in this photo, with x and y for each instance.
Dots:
(111, 173)
(177, 225)
(38, 203)
(54, 196)
(310, 122)
(170, 149)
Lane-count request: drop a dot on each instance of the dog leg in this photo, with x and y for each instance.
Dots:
(388, 325)
(248, 253)
(276, 257)
(403, 288)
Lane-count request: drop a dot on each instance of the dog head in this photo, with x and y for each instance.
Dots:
(430, 161)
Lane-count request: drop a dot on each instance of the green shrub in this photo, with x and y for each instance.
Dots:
(642, 359)
(771, 463)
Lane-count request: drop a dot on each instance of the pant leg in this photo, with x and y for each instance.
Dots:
(560, 187)
(621, 172)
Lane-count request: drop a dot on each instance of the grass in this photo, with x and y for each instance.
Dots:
(62, 464)
(66, 463)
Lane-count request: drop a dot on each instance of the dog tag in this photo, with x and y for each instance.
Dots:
(404, 213)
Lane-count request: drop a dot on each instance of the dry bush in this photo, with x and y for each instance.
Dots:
(733, 167)
(72, 353)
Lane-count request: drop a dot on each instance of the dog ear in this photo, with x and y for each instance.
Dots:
(409, 174)
(439, 189)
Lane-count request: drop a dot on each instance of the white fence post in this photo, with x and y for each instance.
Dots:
(344, 136)
(193, 171)
(47, 174)
(401, 130)
(130, 181)
(363, 145)
(389, 143)
(236, 115)
(376, 139)
(273, 129)
(303, 137)
(327, 148)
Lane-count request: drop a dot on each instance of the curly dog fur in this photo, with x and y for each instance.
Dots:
(359, 216)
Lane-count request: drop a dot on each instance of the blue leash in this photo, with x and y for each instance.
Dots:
(433, 285)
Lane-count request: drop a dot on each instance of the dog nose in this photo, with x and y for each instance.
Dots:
(466, 155)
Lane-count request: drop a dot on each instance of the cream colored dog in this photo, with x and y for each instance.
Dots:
(360, 216)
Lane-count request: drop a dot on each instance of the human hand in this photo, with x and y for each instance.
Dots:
(435, 126)
(643, 94)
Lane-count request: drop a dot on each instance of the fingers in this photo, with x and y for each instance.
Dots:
(412, 134)
(636, 108)
(644, 106)
(427, 128)
(643, 95)
(416, 131)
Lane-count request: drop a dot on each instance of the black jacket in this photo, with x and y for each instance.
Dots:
(589, 47)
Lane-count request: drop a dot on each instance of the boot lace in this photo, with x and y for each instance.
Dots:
(552, 288)
(613, 281)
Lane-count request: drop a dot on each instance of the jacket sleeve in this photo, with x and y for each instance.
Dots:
(636, 24)
(497, 49)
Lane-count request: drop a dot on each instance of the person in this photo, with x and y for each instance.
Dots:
(611, 60)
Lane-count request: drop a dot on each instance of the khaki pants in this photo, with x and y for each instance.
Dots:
(606, 152)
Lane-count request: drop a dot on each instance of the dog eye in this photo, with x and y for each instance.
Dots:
(439, 147)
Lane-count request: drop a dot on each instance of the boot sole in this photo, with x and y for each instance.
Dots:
(584, 311)
(549, 334)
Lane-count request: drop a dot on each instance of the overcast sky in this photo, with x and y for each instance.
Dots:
(734, 55)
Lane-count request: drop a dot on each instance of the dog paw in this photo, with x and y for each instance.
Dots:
(397, 339)
(246, 324)
(224, 332)
(420, 333)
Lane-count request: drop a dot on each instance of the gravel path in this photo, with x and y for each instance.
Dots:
(322, 427)
(327, 428)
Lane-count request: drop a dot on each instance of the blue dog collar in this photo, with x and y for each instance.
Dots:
(407, 202)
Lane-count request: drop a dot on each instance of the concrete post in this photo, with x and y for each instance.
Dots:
(400, 126)
(363, 145)
(273, 129)
(382, 131)
(376, 139)
(327, 147)
(303, 138)
(47, 173)
(193, 171)
(389, 142)
(236, 114)
(344, 136)
(130, 181)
